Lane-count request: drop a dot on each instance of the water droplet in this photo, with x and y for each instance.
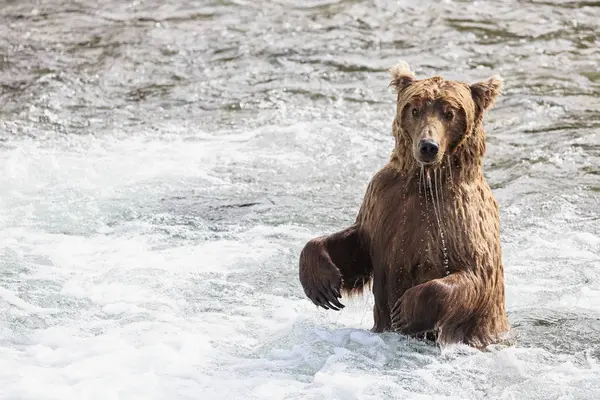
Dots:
(437, 210)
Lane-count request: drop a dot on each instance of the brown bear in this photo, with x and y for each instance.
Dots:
(427, 235)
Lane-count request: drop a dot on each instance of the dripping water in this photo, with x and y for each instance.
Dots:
(424, 183)
(420, 182)
(437, 211)
(450, 171)
(438, 185)
(404, 214)
(423, 193)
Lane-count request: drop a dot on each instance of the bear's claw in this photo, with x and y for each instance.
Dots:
(327, 298)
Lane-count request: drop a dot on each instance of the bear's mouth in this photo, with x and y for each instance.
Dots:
(427, 162)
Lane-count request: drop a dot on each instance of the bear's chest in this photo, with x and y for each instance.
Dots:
(414, 234)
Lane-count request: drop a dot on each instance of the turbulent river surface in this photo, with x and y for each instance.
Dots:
(163, 163)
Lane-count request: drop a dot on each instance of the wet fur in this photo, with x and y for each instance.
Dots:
(427, 237)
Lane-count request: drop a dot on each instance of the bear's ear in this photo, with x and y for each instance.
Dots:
(402, 76)
(485, 93)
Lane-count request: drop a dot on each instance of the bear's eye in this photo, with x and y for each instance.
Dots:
(415, 112)
(448, 115)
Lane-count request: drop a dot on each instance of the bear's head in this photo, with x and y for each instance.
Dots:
(437, 117)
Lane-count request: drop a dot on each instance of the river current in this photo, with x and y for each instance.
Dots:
(163, 163)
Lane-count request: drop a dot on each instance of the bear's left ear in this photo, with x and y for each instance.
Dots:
(402, 76)
(485, 93)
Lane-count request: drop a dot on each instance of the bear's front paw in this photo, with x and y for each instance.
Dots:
(398, 317)
(417, 310)
(323, 287)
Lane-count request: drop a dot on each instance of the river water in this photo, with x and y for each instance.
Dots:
(163, 163)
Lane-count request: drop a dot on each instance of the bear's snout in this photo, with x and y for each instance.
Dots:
(428, 150)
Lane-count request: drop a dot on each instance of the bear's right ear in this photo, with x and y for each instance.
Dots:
(402, 76)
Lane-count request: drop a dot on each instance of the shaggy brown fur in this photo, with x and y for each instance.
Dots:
(428, 231)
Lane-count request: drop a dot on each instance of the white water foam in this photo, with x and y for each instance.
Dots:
(119, 280)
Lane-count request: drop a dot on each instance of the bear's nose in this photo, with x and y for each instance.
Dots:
(428, 148)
